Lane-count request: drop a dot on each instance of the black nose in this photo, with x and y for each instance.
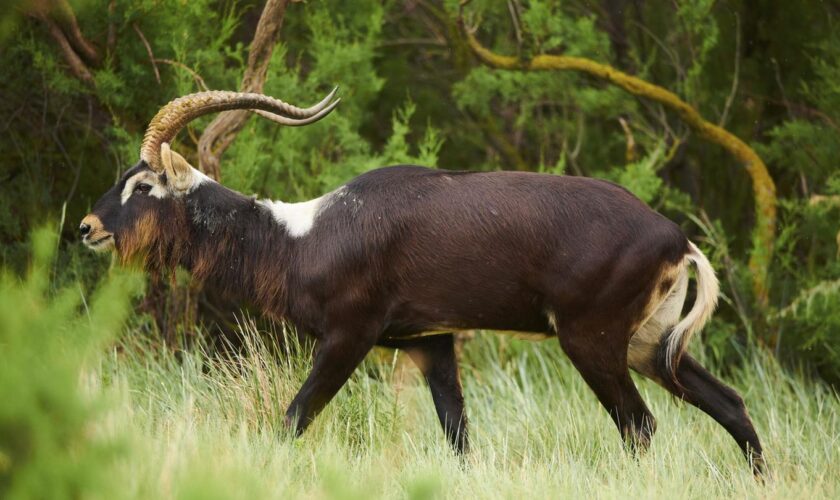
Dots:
(84, 229)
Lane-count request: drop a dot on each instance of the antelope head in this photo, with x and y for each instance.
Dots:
(144, 213)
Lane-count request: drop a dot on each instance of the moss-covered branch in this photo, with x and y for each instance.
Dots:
(764, 189)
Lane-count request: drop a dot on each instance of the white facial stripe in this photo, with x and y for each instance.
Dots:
(196, 178)
(299, 218)
(158, 191)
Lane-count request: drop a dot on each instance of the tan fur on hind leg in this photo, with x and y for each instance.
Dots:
(641, 354)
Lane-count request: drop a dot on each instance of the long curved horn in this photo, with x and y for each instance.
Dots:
(297, 122)
(174, 116)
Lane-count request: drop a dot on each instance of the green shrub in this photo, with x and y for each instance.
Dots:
(48, 448)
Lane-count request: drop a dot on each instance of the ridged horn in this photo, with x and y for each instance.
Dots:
(174, 116)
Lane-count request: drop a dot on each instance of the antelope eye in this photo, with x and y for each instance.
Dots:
(143, 187)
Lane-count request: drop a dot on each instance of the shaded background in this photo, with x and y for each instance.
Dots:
(82, 79)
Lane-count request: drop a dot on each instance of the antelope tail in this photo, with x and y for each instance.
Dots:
(707, 296)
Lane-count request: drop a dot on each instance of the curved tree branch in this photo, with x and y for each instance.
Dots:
(221, 132)
(78, 52)
(764, 189)
(77, 67)
(62, 13)
(59, 17)
(151, 54)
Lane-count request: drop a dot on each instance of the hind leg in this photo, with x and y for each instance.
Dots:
(701, 389)
(603, 365)
(694, 383)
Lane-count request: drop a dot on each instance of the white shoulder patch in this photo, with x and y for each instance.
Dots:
(299, 218)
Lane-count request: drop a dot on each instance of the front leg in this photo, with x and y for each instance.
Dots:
(337, 356)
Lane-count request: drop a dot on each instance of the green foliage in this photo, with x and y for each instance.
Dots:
(203, 423)
(808, 256)
(47, 339)
(299, 163)
(801, 146)
(552, 30)
(641, 177)
(700, 27)
(397, 149)
(412, 93)
(807, 323)
(811, 323)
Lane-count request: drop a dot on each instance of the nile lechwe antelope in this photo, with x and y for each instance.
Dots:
(403, 256)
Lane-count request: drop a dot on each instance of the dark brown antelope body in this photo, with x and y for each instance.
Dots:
(430, 250)
(403, 256)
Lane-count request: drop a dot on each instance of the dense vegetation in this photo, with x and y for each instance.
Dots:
(93, 407)
(130, 420)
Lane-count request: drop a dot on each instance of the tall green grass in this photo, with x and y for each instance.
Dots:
(206, 426)
(84, 414)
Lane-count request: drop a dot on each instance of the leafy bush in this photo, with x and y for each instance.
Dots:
(48, 448)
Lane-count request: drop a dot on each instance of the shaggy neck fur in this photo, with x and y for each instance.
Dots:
(234, 244)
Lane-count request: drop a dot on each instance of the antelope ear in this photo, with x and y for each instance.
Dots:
(178, 170)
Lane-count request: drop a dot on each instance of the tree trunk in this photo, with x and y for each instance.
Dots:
(614, 11)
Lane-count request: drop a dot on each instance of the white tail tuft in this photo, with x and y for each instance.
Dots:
(704, 306)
